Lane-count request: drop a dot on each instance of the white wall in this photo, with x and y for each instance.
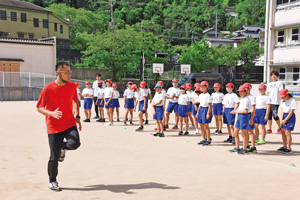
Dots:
(290, 54)
(37, 58)
(285, 17)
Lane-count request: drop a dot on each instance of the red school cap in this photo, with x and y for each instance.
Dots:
(205, 83)
(133, 87)
(114, 85)
(175, 80)
(188, 85)
(87, 83)
(216, 85)
(283, 93)
(242, 88)
(262, 86)
(230, 85)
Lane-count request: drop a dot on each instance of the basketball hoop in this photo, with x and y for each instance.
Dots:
(185, 69)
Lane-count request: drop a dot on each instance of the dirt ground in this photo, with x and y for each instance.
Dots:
(118, 163)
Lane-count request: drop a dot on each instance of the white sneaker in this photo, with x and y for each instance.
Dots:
(54, 186)
(192, 127)
(197, 131)
(108, 124)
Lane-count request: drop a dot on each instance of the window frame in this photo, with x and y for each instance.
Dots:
(34, 23)
(281, 36)
(15, 17)
(23, 17)
(21, 34)
(61, 29)
(45, 22)
(295, 34)
(4, 17)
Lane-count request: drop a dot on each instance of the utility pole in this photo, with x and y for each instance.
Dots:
(111, 24)
(216, 24)
(142, 75)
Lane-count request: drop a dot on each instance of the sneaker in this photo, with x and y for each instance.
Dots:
(220, 132)
(96, 117)
(261, 141)
(233, 141)
(252, 150)
(54, 186)
(216, 132)
(109, 124)
(197, 131)
(118, 120)
(256, 140)
(269, 131)
(161, 135)
(164, 128)
(131, 123)
(282, 149)
(235, 150)
(202, 142)
(180, 133)
(62, 155)
(278, 131)
(287, 150)
(125, 123)
(248, 147)
(87, 120)
(103, 120)
(186, 133)
(156, 134)
(146, 122)
(206, 143)
(243, 151)
(229, 140)
(192, 127)
(140, 129)
(167, 126)
(99, 120)
(175, 127)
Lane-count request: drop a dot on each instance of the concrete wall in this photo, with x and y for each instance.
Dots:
(37, 58)
(286, 55)
(285, 17)
(19, 93)
(88, 73)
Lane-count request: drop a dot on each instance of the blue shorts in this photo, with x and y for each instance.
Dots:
(242, 122)
(194, 110)
(202, 116)
(290, 124)
(251, 127)
(190, 107)
(159, 113)
(259, 117)
(110, 104)
(227, 117)
(87, 103)
(217, 108)
(183, 110)
(101, 106)
(129, 104)
(115, 103)
(141, 106)
(172, 106)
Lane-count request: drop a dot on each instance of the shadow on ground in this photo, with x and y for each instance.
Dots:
(125, 188)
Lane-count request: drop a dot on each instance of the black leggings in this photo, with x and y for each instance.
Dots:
(56, 143)
(273, 112)
(96, 106)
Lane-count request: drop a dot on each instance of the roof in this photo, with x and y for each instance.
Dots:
(220, 40)
(11, 60)
(22, 4)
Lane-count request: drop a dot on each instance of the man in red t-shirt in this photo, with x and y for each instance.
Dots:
(56, 103)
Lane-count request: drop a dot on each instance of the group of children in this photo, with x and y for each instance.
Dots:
(198, 107)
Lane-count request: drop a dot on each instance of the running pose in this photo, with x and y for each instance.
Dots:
(56, 103)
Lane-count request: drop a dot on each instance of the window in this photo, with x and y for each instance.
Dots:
(35, 22)
(280, 37)
(296, 73)
(23, 17)
(282, 73)
(295, 34)
(13, 16)
(61, 28)
(45, 23)
(3, 15)
(55, 27)
(31, 36)
(20, 35)
(282, 2)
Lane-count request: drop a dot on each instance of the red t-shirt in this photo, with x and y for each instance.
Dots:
(54, 96)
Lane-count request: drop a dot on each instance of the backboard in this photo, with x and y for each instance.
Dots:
(185, 68)
(158, 68)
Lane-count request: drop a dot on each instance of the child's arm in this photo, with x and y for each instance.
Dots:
(252, 115)
(209, 111)
(287, 117)
(240, 112)
(237, 106)
(268, 111)
(135, 105)
(124, 101)
(150, 97)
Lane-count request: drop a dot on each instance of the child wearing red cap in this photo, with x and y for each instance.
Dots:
(78, 92)
(140, 97)
(217, 99)
(158, 107)
(230, 102)
(263, 105)
(147, 91)
(242, 123)
(183, 102)
(129, 100)
(100, 101)
(88, 95)
(108, 95)
(195, 105)
(189, 92)
(164, 93)
(205, 114)
(173, 95)
(116, 103)
(288, 119)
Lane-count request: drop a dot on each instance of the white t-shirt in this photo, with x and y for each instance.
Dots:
(95, 86)
(289, 105)
(116, 94)
(147, 91)
(78, 92)
(262, 101)
(245, 103)
(273, 89)
(88, 91)
(252, 100)
(128, 94)
(230, 100)
(204, 99)
(217, 97)
(190, 93)
(100, 93)
(173, 91)
(163, 91)
(196, 97)
(183, 99)
(140, 95)
(108, 91)
(158, 97)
